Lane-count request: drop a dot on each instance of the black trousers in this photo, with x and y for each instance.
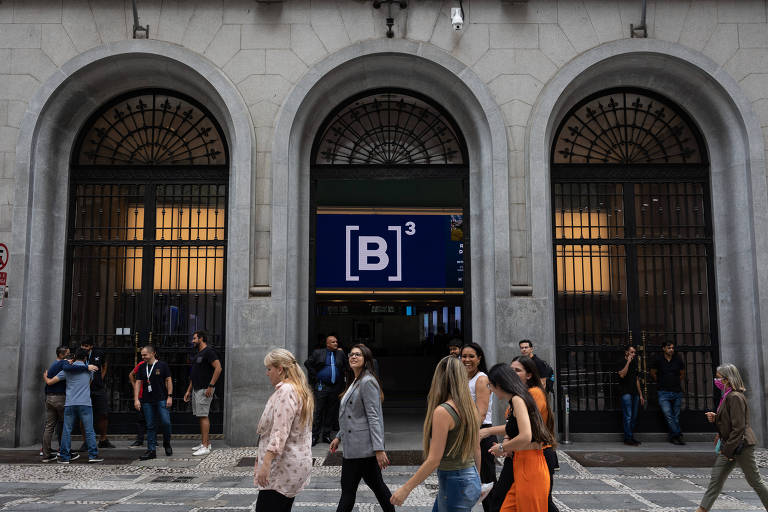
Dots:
(487, 465)
(352, 470)
(273, 501)
(507, 478)
(326, 418)
(141, 426)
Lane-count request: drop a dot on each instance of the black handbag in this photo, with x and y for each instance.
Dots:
(743, 443)
(740, 447)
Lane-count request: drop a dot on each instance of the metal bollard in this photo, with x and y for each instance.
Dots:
(567, 419)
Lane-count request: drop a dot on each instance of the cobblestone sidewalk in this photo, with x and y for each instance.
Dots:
(216, 483)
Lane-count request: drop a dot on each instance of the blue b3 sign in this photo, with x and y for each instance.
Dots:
(404, 250)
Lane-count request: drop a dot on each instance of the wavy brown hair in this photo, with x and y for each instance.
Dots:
(293, 374)
(505, 378)
(450, 382)
(367, 368)
(534, 381)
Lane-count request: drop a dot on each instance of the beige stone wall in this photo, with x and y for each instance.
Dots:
(266, 48)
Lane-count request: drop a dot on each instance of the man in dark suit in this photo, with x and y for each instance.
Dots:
(326, 375)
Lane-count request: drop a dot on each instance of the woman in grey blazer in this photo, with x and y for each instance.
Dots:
(362, 432)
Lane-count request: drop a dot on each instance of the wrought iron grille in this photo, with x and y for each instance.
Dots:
(627, 127)
(389, 128)
(155, 128)
(146, 254)
(633, 260)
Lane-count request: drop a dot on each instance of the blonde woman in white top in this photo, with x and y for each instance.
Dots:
(473, 359)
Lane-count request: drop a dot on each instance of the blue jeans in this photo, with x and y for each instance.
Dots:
(670, 402)
(152, 412)
(72, 413)
(629, 407)
(458, 490)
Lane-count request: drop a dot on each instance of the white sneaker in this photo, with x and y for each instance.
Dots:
(205, 450)
(197, 447)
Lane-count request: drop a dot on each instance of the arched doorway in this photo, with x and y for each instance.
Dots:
(147, 240)
(389, 235)
(633, 253)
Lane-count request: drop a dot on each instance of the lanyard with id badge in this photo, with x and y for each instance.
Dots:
(149, 373)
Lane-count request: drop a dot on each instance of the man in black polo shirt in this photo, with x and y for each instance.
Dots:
(545, 371)
(154, 384)
(205, 372)
(99, 395)
(55, 396)
(669, 372)
(630, 393)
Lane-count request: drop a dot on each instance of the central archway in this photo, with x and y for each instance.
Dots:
(423, 70)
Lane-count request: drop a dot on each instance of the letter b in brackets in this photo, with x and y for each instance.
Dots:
(373, 254)
(372, 259)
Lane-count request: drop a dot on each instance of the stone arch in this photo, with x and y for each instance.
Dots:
(406, 65)
(45, 142)
(737, 172)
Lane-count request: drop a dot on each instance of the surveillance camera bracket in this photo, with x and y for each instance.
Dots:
(390, 19)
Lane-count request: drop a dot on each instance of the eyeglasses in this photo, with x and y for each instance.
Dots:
(355, 354)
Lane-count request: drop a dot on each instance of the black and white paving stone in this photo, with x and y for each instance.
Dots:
(215, 483)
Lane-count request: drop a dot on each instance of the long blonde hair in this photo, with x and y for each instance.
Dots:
(292, 373)
(450, 382)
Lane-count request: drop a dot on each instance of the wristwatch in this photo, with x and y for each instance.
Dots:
(211, 385)
(500, 448)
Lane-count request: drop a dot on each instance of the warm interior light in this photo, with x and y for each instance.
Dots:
(181, 269)
(582, 268)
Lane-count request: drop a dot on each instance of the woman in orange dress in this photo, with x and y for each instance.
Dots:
(527, 434)
(526, 369)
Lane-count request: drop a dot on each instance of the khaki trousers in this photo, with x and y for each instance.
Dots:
(54, 413)
(723, 467)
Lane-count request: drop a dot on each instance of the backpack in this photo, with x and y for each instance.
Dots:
(549, 386)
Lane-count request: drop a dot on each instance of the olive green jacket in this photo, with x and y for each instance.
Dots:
(732, 423)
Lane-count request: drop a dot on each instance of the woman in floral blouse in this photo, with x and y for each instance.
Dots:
(285, 430)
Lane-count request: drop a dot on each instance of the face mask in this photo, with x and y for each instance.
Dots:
(719, 384)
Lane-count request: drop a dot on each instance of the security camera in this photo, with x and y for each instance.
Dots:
(457, 18)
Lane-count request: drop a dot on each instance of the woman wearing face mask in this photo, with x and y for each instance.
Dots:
(285, 447)
(526, 434)
(361, 431)
(735, 440)
(473, 359)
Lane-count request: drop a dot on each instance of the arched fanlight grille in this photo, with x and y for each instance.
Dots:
(152, 128)
(627, 127)
(389, 129)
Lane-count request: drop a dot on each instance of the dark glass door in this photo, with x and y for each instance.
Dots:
(407, 338)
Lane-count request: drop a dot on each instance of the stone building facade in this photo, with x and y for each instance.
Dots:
(271, 73)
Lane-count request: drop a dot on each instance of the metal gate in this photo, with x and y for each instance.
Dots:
(147, 242)
(633, 255)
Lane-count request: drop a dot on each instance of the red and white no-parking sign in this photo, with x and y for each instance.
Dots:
(3, 256)
(3, 275)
